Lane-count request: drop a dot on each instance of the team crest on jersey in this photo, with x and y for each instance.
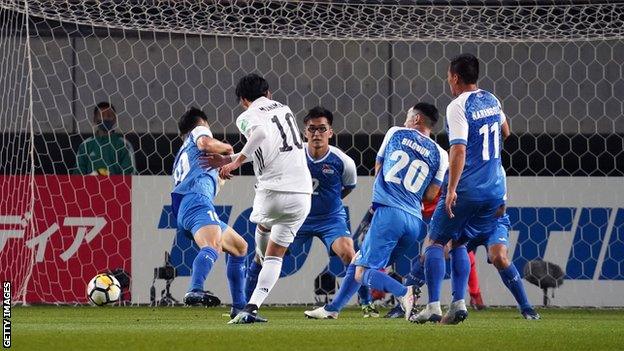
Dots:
(327, 169)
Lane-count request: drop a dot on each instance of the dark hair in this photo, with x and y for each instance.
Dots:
(318, 112)
(102, 106)
(251, 87)
(466, 66)
(430, 111)
(189, 120)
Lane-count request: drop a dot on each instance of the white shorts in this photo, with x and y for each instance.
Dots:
(282, 212)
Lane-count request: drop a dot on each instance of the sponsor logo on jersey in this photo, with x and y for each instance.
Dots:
(327, 169)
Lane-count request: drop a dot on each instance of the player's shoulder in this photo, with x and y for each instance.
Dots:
(482, 95)
(248, 113)
(443, 153)
(460, 101)
(399, 130)
(340, 155)
(200, 131)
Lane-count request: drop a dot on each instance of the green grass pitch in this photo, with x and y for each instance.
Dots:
(177, 328)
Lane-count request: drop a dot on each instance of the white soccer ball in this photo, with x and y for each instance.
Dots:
(103, 289)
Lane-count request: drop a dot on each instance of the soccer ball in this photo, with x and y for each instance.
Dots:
(103, 289)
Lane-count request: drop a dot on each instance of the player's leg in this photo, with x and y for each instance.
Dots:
(197, 215)
(236, 247)
(483, 220)
(285, 214)
(498, 255)
(364, 294)
(392, 232)
(476, 301)
(441, 230)
(460, 271)
(207, 238)
(374, 253)
(342, 246)
(337, 238)
(261, 237)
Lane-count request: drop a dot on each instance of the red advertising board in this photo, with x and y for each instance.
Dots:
(71, 229)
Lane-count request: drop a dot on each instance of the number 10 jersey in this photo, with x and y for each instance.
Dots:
(280, 162)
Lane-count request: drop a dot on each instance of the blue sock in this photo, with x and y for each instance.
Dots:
(364, 295)
(435, 268)
(236, 279)
(381, 281)
(417, 276)
(205, 259)
(513, 282)
(252, 278)
(460, 271)
(347, 290)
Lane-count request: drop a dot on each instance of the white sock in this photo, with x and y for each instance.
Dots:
(434, 307)
(267, 278)
(262, 240)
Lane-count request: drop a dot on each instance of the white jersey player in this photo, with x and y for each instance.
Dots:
(284, 188)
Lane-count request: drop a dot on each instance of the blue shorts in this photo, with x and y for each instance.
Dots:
(328, 230)
(195, 211)
(392, 232)
(189, 235)
(478, 215)
(499, 236)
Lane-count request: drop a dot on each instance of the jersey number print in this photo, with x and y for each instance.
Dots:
(295, 134)
(416, 174)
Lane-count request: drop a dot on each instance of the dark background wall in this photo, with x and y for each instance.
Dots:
(523, 155)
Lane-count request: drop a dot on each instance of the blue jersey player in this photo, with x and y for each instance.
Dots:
(192, 202)
(475, 186)
(410, 166)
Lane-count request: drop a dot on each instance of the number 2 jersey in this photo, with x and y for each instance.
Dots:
(474, 119)
(280, 161)
(330, 175)
(188, 175)
(411, 161)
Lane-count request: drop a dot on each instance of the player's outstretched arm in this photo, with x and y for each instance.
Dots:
(211, 145)
(457, 160)
(256, 137)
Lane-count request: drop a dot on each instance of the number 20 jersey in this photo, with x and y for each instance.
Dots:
(411, 161)
(280, 162)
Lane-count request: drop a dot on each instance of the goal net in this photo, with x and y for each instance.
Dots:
(74, 203)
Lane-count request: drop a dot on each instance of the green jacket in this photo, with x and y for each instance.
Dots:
(105, 155)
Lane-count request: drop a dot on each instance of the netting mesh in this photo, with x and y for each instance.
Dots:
(556, 67)
(385, 20)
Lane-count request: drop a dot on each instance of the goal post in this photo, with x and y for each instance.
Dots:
(557, 68)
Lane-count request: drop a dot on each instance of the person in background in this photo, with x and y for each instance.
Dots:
(106, 152)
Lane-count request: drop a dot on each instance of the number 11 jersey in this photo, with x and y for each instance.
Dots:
(280, 162)
(474, 119)
(411, 161)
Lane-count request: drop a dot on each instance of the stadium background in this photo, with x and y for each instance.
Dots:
(563, 95)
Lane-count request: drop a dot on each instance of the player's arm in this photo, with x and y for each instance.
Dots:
(458, 138)
(434, 187)
(257, 134)
(505, 130)
(378, 165)
(349, 175)
(211, 145)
